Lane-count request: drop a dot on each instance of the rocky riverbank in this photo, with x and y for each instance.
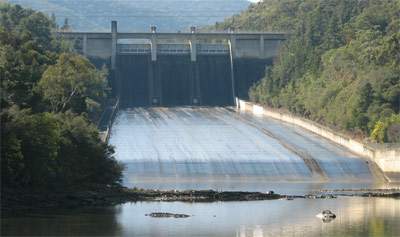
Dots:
(385, 193)
(20, 200)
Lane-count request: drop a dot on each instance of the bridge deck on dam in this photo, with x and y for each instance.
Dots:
(214, 143)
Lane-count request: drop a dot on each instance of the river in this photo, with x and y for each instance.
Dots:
(217, 148)
(356, 217)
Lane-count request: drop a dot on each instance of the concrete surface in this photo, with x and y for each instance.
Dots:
(386, 157)
(214, 143)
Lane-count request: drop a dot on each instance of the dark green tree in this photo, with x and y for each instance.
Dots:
(47, 147)
(340, 65)
(73, 83)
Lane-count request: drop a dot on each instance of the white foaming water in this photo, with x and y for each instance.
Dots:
(211, 146)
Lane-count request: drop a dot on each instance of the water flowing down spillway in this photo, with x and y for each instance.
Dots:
(214, 144)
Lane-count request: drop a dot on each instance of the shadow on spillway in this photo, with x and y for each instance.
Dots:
(213, 144)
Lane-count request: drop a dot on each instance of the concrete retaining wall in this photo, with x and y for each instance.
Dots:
(105, 134)
(387, 158)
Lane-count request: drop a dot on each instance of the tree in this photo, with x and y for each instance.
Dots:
(12, 165)
(387, 130)
(72, 83)
(27, 47)
(340, 65)
(30, 147)
(84, 159)
(44, 148)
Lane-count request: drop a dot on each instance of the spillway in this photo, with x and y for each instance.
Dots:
(213, 144)
(175, 81)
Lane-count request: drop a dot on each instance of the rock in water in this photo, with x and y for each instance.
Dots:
(167, 215)
(326, 216)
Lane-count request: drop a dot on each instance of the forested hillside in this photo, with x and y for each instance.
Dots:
(49, 101)
(136, 15)
(341, 65)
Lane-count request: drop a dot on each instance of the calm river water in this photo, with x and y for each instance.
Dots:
(355, 217)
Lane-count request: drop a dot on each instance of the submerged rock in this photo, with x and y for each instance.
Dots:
(167, 215)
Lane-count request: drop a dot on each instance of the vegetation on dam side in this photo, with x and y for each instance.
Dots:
(50, 99)
(340, 66)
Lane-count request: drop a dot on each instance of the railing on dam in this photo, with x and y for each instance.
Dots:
(213, 49)
(134, 48)
(241, 45)
(173, 49)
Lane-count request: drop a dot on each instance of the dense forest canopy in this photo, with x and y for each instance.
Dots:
(341, 65)
(50, 98)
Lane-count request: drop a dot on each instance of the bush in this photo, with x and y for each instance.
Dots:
(387, 130)
(46, 150)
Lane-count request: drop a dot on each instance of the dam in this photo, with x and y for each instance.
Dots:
(177, 125)
(183, 146)
(179, 69)
(178, 117)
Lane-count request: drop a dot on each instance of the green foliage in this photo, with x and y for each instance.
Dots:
(341, 65)
(269, 15)
(47, 150)
(84, 159)
(37, 136)
(387, 129)
(73, 83)
(27, 47)
(44, 147)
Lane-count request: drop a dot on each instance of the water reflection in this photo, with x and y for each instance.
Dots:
(355, 217)
(95, 222)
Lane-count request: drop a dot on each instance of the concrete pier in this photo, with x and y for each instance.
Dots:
(113, 44)
(193, 44)
(232, 46)
(262, 48)
(195, 81)
(84, 45)
(153, 44)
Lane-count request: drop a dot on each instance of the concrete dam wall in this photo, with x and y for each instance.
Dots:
(175, 80)
(387, 158)
(161, 140)
(184, 68)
